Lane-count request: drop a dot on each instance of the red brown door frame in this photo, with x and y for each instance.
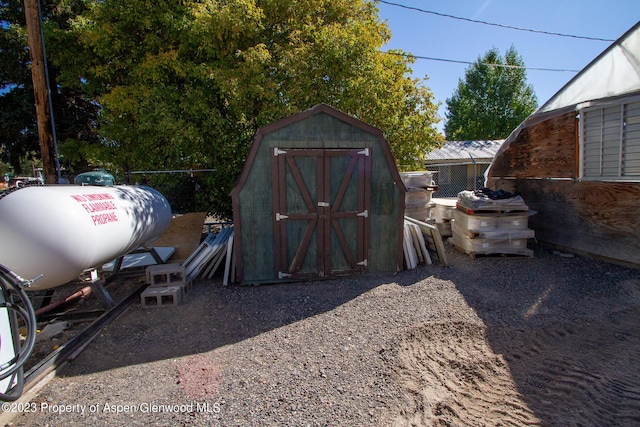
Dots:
(323, 215)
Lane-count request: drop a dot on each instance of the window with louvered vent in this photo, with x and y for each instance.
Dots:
(611, 142)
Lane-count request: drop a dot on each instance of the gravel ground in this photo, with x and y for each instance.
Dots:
(547, 340)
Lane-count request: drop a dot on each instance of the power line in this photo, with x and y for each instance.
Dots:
(493, 24)
(429, 58)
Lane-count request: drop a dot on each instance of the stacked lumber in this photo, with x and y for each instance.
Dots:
(205, 261)
(414, 247)
(422, 244)
(442, 214)
(484, 226)
(420, 187)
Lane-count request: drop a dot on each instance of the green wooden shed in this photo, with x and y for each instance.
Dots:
(319, 196)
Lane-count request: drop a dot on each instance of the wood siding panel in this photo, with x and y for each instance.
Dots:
(595, 218)
(256, 219)
(254, 194)
(543, 150)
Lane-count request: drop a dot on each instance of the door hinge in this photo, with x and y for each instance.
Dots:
(363, 263)
(282, 275)
(277, 151)
(364, 213)
(279, 217)
(365, 151)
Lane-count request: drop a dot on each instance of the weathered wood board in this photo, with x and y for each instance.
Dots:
(543, 150)
(433, 240)
(594, 218)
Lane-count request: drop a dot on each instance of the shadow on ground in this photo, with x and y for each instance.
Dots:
(567, 329)
(213, 316)
(561, 335)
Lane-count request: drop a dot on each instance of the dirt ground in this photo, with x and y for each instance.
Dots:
(183, 234)
(549, 340)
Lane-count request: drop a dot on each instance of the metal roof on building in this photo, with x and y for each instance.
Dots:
(465, 150)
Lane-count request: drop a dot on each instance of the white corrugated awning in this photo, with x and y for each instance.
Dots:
(616, 71)
(464, 150)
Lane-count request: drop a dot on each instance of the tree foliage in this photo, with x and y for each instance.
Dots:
(75, 113)
(18, 135)
(185, 84)
(492, 100)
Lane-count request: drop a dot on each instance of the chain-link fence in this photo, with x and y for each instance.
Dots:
(452, 178)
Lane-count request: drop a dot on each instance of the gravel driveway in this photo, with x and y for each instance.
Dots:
(547, 340)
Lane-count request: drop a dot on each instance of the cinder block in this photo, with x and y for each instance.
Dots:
(185, 288)
(162, 296)
(166, 275)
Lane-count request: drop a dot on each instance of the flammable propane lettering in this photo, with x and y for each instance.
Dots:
(99, 206)
(91, 197)
(104, 218)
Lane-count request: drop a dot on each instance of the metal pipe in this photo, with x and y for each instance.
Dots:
(84, 292)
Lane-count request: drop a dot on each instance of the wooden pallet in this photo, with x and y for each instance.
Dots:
(492, 210)
(516, 253)
(499, 234)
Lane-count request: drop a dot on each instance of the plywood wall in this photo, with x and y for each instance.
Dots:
(594, 218)
(543, 150)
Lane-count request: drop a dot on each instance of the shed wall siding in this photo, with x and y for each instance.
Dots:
(320, 131)
(257, 223)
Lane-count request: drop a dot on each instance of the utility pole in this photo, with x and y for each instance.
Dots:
(41, 92)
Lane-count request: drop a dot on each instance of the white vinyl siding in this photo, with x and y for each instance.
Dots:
(611, 142)
(631, 150)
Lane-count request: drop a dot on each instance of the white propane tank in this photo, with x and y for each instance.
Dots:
(62, 230)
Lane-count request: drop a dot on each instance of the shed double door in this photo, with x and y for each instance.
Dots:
(321, 211)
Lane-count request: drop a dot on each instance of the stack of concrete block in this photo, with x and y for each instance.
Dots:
(168, 285)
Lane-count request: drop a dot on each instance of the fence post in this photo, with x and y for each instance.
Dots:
(475, 173)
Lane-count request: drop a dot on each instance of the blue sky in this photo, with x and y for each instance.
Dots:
(434, 36)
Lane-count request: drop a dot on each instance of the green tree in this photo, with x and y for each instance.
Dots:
(493, 99)
(75, 113)
(18, 134)
(185, 84)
